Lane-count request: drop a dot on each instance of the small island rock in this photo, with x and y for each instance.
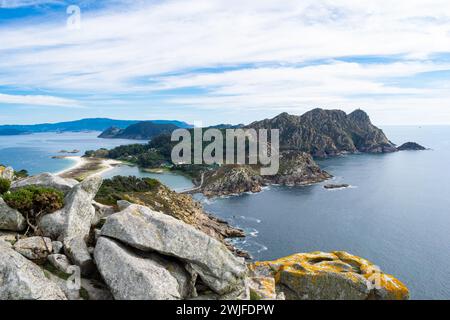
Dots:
(411, 146)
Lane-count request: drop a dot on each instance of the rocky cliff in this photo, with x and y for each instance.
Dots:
(231, 179)
(296, 169)
(328, 132)
(158, 197)
(319, 133)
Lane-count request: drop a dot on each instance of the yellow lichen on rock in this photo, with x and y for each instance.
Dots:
(336, 275)
(386, 286)
(262, 288)
(6, 173)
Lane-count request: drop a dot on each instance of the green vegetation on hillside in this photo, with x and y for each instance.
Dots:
(17, 174)
(34, 202)
(114, 189)
(5, 184)
(21, 174)
(140, 131)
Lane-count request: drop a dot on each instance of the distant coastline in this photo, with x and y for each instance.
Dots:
(82, 125)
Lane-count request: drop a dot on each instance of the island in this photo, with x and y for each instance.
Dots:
(411, 146)
(336, 186)
(316, 134)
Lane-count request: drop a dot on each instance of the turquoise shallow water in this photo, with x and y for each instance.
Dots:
(396, 213)
(174, 181)
(34, 152)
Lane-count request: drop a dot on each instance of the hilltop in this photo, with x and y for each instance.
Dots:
(145, 130)
(328, 132)
(94, 124)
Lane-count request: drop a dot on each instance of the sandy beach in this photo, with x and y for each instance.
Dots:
(85, 167)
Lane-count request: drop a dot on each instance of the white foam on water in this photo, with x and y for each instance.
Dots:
(252, 232)
(249, 219)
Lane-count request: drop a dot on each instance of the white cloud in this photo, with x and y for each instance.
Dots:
(10, 4)
(142, 41)
(38, 100)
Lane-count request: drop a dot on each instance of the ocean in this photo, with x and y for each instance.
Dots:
(396, 212)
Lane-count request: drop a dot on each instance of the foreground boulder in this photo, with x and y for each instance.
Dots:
(11, 219)
(34, 248)
(60, 262)
(46, 180)
(133, 275)
(96, 290)
(78, 252)
(101, 211)
(147, 230)
(156, 196)
(7, 173)
(21, 279)
(264, 288)
(76, 217)
(9, 237)
(330, 276)
(73, 223)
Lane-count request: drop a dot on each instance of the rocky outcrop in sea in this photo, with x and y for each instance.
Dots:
(411, 146)
(296, 169)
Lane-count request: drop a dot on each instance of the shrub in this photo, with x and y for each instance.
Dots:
(5, 184)
(115, 188)
(33, 202)
(21, 174)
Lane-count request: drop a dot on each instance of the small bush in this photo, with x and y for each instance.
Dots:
(33, 202)
(115, 188)
(5, 184)
(21, 174)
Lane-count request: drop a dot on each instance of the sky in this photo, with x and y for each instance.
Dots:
(224, 61)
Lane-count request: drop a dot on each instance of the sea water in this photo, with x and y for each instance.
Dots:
(396, 212)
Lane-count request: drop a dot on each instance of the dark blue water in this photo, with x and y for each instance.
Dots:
(396, 214)
(34, 152)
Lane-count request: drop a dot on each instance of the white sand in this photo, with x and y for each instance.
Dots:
(107, 165)
(77, 162)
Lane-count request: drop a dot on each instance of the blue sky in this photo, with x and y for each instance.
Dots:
(216, 61)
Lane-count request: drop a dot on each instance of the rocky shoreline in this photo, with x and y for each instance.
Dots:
(134, 252)
(296, 169)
